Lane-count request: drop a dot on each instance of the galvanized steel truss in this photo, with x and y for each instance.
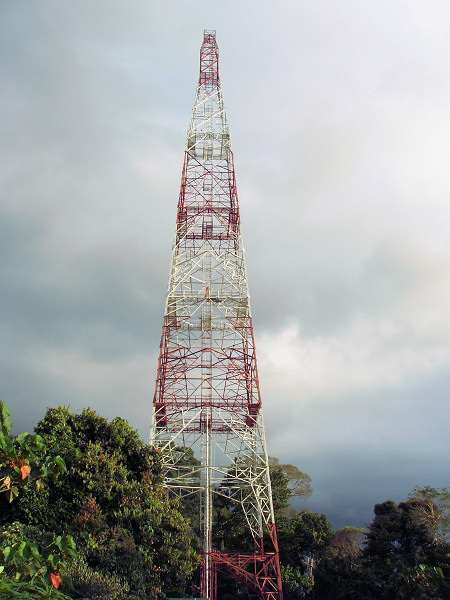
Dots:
(207, 395)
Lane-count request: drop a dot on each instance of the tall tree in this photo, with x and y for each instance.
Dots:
(433, 510)
(25, 570)
(337, 574)
(400, 559)
(303, 543)
(24, 460)
(347, 543)
(231, 531)
(113, 502)
(298, 482)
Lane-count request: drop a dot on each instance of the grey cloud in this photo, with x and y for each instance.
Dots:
(380, 456)
(338, 117)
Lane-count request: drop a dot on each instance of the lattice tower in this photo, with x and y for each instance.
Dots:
(207, 398)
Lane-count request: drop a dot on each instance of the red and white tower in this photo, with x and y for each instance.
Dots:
(207, 398)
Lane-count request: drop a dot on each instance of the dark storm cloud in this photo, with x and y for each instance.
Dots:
(375, 447)
(80, 264)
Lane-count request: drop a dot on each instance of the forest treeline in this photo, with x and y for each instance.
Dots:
(85, 516)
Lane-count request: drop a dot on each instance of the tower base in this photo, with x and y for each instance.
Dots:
(259, 572)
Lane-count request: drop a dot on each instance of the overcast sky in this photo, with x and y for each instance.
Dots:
(340, 126)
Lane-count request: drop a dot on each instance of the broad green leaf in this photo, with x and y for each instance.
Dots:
(5, 418)
(69, 541)
(52, 560)
(40, 444)
(20, 548)
(21, 439)
(59, 462)
(13, 493)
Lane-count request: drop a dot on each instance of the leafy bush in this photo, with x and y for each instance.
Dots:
(27, 590)
(26, 571)
(88, 583)
(24, 460)
(113, 503)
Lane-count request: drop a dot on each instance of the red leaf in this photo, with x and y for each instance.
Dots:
(25, 470)
(56, 580)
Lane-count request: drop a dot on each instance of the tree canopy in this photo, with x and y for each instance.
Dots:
(86, 480)
(25, 571)
(113, 503)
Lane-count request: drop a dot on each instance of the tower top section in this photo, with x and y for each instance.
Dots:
(209, 137)
(209, 35)
(209, 60)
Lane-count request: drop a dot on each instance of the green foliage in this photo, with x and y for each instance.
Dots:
(298, 483)
(433, 510)
(395, 537)
(280, 493)
(113, 504)
(347, 543)
(26, 590)
(95, 585)
(190, 505)
(24, 569)
(305, 538)
(24, 460)
(417, 583)
(296, 585)
(23, 560)
(231, 531)
(5, 418)
(401, 558)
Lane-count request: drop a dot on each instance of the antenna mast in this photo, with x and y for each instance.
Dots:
(207, 399)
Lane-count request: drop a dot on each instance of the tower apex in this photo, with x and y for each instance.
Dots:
(209, 35)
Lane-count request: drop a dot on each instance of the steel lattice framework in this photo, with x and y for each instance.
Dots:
(207, 397)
